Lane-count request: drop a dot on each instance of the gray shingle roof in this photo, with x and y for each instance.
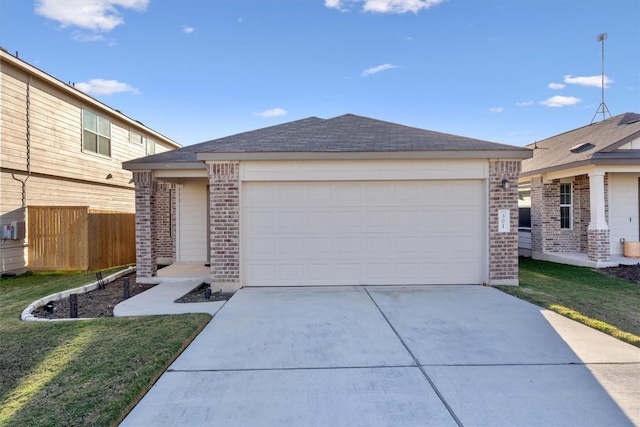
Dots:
(343, 134)
(606, 136)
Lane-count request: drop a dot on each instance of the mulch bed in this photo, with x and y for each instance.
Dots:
(100, 302)
(198, 295)
(628, 272)
(96, 303)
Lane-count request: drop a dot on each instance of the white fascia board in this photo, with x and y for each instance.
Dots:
(163, 166)
(180, 173)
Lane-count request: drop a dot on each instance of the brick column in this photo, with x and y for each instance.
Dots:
(598, 232)
(164, 217)
(145, 228)
(224, 194)
(503, 246)
(537, 208)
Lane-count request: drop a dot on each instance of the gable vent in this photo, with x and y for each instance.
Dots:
(581, 148)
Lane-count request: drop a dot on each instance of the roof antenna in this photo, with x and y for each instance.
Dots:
(602, 108)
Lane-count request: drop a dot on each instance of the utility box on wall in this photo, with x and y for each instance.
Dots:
(19, 230)
(14, 231)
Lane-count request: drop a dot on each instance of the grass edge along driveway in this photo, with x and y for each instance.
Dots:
(588, 296)
(86, 372)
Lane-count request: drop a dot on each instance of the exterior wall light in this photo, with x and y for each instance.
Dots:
(506, 184)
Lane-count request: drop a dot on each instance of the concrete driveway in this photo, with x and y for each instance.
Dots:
(401, 356)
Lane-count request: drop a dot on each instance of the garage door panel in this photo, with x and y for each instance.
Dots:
(291, 246)
(320, 273)
(263, 271)
(345, 233)
(264, 247)
(351, 272)
(377, 272)
(290, 272)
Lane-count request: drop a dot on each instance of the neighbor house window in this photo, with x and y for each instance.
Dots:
(135, 137)
(524, 205)
(151, 146)
(566, 206)
(96, 135)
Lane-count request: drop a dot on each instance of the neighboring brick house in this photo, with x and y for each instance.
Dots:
(342, 201)
(579, 194)
(60, 147)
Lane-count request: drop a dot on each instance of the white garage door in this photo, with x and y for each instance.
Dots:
(351, 233)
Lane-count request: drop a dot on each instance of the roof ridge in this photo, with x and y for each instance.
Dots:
(606, 121)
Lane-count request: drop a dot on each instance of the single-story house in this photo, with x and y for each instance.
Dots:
(579, 194)
(342, 201)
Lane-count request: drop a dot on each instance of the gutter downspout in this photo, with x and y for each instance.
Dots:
(28, 140)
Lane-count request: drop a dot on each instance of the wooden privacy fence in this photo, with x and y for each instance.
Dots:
(79, 238)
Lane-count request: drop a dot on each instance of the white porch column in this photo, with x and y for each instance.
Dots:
(596, 196)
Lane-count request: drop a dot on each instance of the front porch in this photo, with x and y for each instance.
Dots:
(183, 271)
(581, 259)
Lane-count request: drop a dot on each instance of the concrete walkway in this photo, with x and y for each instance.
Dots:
(403, 356)
(160, 300)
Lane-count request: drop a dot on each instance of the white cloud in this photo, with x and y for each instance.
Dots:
(274, 112)
(560, 101)
(556, 86)
(524, 104)
(377, 69)
(593, 81)
(87, 38)
(105, 87)
(496, 110)
(334, 4)
(384, 6)
(97, 15)
(188, 30)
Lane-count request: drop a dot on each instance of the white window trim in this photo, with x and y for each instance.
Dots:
(147, 142)
(567, 205)
(95, 153)
(137, 133)
(522, 204)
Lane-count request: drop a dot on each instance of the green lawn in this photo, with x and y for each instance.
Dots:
(88, 372)
(605, 303)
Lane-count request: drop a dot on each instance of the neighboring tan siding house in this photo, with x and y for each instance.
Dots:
(61, 147)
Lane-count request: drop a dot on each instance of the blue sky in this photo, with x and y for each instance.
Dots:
(510, 71)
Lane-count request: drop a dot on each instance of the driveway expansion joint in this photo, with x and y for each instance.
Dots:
(307, 368)
(415, 359)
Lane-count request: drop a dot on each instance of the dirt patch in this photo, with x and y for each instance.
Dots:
(627, 272)
(96, 303)
(199, 295)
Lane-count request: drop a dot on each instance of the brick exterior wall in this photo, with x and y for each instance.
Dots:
(582, 210)
(599, 249)
(503, 247)
(164, 218)
(546, 234)
(145, 230)
(536, 214)
(224, 194)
